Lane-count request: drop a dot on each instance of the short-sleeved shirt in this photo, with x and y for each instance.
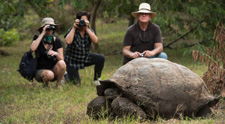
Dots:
(77, 53)
(45, 62)
(134, 37)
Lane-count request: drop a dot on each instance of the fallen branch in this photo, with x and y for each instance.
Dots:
(181, 37)
(191, 45)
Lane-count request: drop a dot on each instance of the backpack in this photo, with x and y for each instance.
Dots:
(28, 66)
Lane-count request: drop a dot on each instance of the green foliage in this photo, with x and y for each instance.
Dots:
(175, 18)
(202, 16)
(11, 16)
(215, 60)
(7, 38)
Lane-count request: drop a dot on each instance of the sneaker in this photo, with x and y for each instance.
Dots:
(59, 86)
(63, 81)
(96, 82)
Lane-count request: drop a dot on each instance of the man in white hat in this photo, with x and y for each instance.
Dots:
(143, 39)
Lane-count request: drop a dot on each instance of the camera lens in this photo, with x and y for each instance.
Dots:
(82, 23)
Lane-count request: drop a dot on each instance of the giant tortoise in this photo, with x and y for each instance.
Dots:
(148, 87)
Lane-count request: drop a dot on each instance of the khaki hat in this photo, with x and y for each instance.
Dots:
(144, 8)
(47, 21)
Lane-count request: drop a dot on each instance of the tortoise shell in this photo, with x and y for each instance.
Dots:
(160, 86)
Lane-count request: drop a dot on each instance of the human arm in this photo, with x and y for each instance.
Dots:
(158, 48)
(70, 35)
(58, 53)
(91, 34)
(127, 42)
(34, 45)
(129, 54)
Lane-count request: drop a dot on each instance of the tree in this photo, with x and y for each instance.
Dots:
(200, 17)
(178, 18)
(95, 5)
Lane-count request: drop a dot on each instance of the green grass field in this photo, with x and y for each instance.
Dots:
(24, 102)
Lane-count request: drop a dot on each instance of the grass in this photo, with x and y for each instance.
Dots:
(24, 102)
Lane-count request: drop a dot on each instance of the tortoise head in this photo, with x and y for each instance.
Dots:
(105, 84)
(112, 93)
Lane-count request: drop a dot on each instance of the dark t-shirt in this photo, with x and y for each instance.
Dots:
(135, 36)
(45, 62)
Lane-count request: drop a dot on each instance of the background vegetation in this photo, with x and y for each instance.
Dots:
(185, 25)
(178, 19)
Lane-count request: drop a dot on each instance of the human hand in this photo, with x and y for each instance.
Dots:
(44, 28)
(52, 53)
(148, 53)
(76, 23)
(135, 55)
(87, 23)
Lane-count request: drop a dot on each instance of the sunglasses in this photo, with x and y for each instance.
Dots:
(145, 36)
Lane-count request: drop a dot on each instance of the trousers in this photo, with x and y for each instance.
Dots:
(160, 55)
(95, 59)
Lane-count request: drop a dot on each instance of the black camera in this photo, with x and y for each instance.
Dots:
(81, 23)
(51, 27)
(49, 56)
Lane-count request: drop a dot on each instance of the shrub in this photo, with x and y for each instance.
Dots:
(8, 38)
(215, 59)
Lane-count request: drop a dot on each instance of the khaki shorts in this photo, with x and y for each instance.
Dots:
(38, 75)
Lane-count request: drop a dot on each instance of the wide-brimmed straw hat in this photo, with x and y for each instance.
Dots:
(144, 8)
(47, 21)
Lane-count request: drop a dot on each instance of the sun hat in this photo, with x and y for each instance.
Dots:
(47, 21)
(144, 8)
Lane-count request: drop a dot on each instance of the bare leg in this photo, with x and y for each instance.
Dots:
(59, 70)
(47, 75)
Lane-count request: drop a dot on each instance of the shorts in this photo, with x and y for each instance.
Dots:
(38, 75)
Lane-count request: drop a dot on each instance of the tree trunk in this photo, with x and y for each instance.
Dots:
(131, 20)
(132, 8)
(93, 19)
(93, 14)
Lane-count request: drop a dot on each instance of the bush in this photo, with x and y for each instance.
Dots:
(8, 38)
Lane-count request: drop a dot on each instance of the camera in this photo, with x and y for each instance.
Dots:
(141, 54)
(49, 56)
(81, 23)
(51, 27)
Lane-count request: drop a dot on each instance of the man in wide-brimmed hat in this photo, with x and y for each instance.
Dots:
(143, 39)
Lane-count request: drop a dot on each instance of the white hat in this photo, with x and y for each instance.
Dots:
(144, 8)
(47, 21)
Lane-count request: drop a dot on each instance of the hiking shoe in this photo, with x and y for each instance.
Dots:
(63, 81)
(96, 82)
